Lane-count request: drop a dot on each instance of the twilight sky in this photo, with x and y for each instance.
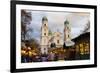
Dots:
(78, 22)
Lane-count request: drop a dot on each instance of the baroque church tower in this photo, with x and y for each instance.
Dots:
(67, 34)
(44, 36)
(67, 31)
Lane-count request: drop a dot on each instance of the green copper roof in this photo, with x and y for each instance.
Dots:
(66, 22)
(44, 18)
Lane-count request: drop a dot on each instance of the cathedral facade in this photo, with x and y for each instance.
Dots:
(49, 40)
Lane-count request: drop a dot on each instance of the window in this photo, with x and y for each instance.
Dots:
(86, 48)
(67, 27)
(58, 41)
(44, 48)
(58, 35)
(44, 33)
(44, 24)
(68, 36)
(81, 49)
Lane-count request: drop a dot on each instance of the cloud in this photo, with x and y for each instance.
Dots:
(56, 20)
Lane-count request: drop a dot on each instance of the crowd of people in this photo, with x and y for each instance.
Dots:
(32, 55)
(40, 58)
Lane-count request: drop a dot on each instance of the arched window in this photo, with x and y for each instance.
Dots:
(45, 34)
(44, 48)
(53, 45)
(58, 41)
(44, 24)
(58, 35)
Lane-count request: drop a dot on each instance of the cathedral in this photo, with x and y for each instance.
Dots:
(50, 40)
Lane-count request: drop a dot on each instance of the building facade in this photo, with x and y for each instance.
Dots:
(50, 39)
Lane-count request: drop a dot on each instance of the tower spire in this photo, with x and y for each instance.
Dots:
(44, 35)
(67, 34)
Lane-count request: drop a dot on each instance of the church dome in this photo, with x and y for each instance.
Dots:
(66, 22)
(44, 18)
